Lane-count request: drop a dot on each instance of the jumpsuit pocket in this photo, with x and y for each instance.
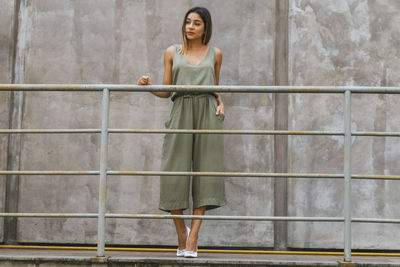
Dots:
(174, 110)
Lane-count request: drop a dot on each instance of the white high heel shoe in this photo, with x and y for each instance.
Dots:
(181, 252)
(190, 254)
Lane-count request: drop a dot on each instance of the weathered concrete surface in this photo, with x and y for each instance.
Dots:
(23, 257)
(344, 43)
(6, 39)
(78, 42)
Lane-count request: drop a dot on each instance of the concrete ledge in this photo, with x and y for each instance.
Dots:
(67, 258)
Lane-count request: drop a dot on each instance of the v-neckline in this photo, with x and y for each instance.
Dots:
(208, 51)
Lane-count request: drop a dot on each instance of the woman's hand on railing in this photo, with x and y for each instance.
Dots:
(144, 80)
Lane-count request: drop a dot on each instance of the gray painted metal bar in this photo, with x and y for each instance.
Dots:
(48, 131)
(185, 131)
(103, 173)
(162, 216)
(347, 176)
(236, 218)
(49, 172)
(173, 88)
(384, 134)
(50, 215)
(226, 174)
(242, 132)
(205, 217)
(373, 176)
(374, 220)
(163, 131)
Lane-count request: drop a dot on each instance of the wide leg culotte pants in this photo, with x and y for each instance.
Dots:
(197, 152)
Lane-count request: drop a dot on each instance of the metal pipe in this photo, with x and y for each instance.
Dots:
(103, 173)
(374, 220)
(49, 215)
(165, 131)
(48, 131)
(173, 88)
(251, 132)
(49, 172)
(384, 134)
(228, 174)
(203, 217)
(186, 131)
(225, 174)
(376, 177)
(165, 217)
(347, 176)
(231, 218)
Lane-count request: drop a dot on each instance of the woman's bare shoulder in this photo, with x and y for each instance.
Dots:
(170, 49)
(218, 51)
(169, 53)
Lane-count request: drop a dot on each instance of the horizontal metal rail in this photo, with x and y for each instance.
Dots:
(203, 217)
(162, 216)
(48, 131)
(220, 88)
(166, 131)
(228, 174)
(49, 215)
(49, 172)
(223, 174)
(188, 131)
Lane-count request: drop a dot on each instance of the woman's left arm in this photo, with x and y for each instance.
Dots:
(218, 63)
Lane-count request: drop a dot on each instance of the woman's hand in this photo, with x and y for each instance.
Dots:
(221, 109)
(144, 80)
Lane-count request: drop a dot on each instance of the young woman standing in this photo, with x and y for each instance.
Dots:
(193, 62)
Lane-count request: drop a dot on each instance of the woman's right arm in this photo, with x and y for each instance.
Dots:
(167, 79)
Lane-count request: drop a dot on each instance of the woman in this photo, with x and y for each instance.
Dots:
(193, 62)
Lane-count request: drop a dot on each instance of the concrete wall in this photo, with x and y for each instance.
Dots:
(344, 43)
(351, 42)
(6, 41)
(116, 42)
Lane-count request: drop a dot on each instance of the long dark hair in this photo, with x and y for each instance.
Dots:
(206, 17)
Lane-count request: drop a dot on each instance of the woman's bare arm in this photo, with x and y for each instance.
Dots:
(167, 79)
(218, 63)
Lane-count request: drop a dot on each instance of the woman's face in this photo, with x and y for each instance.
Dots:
(194, 26)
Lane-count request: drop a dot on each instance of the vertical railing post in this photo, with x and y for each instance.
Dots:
(347, 175)
(103, 173)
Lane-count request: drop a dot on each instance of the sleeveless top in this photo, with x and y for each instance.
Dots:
(184, 73)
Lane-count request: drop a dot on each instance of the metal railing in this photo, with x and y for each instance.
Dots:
(105, 130)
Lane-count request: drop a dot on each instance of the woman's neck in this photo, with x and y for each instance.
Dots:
(195, 45)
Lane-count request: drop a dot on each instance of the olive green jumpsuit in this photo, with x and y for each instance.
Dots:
(197, 152)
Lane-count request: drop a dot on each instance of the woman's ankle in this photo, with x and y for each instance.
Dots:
(192, 244)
